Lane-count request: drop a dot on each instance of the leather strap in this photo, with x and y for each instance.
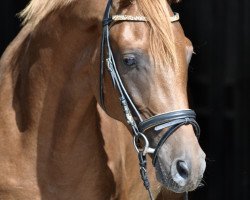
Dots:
(165, 118)
(170, 131)
(104, 30)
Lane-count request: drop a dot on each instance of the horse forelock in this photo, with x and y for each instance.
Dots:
(161, 35)
(156, 11)
(38, 9)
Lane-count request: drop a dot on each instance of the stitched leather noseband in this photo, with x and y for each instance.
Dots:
(172, 120)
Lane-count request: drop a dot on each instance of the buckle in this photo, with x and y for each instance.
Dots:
(144, 150)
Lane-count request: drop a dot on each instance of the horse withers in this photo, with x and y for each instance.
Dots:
(57, 142)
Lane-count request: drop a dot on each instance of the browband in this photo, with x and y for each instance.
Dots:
(139, 18)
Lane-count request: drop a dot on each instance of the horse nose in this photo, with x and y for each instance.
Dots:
(180, 172)
(182, 169)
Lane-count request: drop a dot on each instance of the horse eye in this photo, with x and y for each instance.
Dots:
(129, 61)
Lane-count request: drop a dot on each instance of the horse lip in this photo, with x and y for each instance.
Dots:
(166, 180)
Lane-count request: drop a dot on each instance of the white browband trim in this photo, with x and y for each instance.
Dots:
(174, 18)
(128, 18)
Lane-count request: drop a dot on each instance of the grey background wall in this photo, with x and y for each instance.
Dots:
(219, 87)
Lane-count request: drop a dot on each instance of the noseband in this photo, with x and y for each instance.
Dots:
(171, 120)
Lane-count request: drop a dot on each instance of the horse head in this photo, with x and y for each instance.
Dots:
(144, 61)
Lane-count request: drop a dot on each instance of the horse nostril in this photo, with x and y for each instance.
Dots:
(182, 169)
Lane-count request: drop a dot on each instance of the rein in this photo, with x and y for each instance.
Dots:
(171, 120)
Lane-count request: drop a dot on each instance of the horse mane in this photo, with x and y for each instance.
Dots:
(38, 9)
(161, 36)
(156, 11)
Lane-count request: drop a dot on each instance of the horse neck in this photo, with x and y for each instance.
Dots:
(46, 95)
(51, 71)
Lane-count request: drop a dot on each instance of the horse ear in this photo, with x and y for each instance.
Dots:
(122, 4)
(173, 1)
(125, 3)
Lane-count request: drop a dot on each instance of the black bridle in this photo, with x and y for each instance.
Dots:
(172, 120)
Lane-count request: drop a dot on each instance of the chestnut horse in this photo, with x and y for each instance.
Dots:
(56, 142)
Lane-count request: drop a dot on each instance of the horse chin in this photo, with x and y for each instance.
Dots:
(166, 178)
